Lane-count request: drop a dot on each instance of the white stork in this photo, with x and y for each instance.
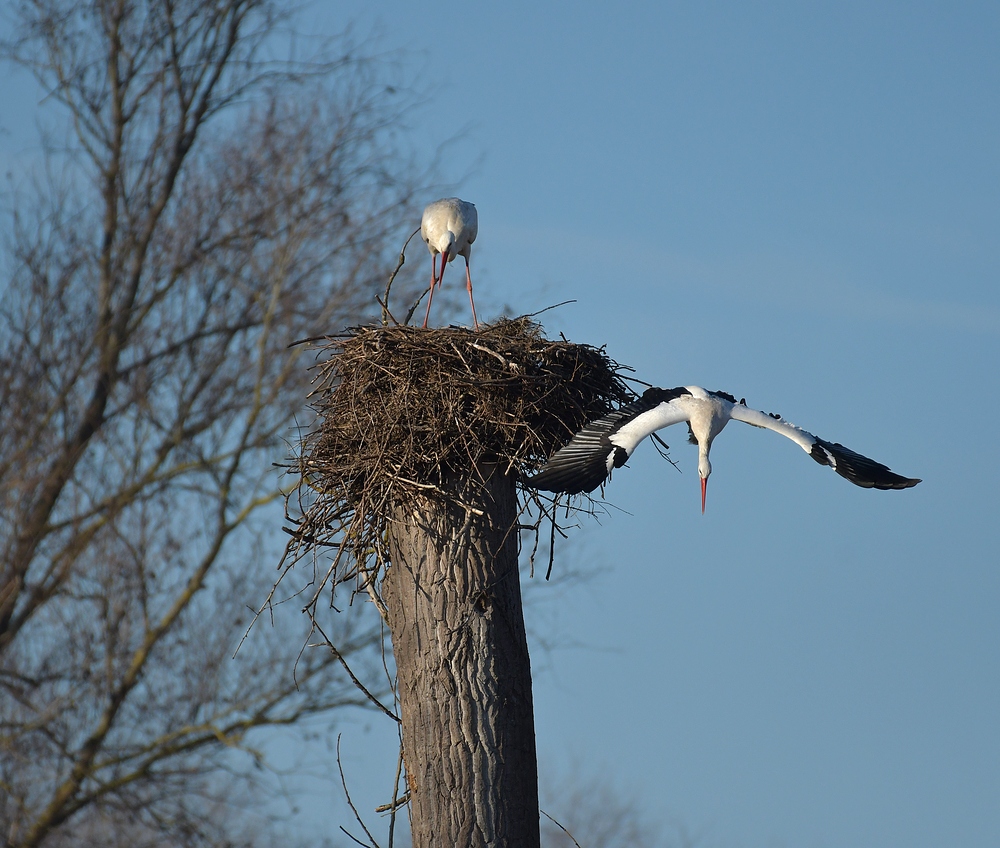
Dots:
(449, 226)
(587, 460)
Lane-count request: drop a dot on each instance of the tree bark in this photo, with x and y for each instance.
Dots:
(453, 596)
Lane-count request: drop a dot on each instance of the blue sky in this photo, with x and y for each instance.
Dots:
(799, 204)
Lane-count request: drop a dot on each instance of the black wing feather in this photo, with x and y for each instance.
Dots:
(860, 470)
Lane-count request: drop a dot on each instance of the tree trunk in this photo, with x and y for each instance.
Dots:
(464, 680)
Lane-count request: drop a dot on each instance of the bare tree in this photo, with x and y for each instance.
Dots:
(209, 206)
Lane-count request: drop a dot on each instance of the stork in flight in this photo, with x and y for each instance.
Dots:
(587, 460)
(449, 226)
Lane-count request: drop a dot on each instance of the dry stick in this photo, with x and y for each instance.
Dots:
(397, 799)
(350, 803)
(385, 312)
(367, 575)
(552, 538)
(534, 529)
(385, 667)
(663, 452)
(369, 585)
(413, 308)
(547, 308)
(353, 838)
(268, 601)
(458, 353)
(351, 674)
(516, 527)
(399, 264)
(506, 362)
(555, 528)
(397, 802)
(570, 835)
(336, 561)
(454, 500)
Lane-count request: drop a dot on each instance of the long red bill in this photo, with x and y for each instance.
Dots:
(444, 261)
(704, 489)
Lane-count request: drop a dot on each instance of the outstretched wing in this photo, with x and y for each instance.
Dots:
(607, 442)
(860, 470)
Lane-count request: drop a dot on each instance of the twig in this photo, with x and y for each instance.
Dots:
(637, 380)
(570, 835)
(399, 264)
(402, 801)
(413, 308)
(369, 584)
(352, 837)
(351, 674)
(661, 448)
(385, 311)
(397, 802)
(350, 803)
(504, 361)
(552, 537)
(547, 308)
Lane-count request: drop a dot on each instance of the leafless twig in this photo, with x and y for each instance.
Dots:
(350, 803)
(399, 264)
(563, 829)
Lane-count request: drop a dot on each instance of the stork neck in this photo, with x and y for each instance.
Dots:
(704, 464)
(706, 424)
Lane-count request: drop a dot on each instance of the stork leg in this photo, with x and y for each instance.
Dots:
(468, 280)
(430, 293)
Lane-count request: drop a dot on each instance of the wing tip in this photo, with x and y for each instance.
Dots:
(905, 482)
(859, 469)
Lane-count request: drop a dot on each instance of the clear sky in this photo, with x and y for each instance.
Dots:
(798, 203)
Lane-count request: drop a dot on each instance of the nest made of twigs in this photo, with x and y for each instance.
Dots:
(402, 410)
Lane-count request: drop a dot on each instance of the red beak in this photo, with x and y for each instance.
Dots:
(444, 261)
(704, 489)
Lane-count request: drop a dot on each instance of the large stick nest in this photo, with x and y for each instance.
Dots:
(402, 411)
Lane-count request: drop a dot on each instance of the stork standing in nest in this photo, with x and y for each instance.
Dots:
(449, 226)
(606, 443)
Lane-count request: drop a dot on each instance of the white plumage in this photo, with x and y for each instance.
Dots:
(602, 445)
(449, 226)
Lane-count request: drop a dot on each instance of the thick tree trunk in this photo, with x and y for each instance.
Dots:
(454, 600)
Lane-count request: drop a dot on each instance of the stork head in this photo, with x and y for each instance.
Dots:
(446, 246)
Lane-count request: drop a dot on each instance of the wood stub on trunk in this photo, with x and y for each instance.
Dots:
(464, 680)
